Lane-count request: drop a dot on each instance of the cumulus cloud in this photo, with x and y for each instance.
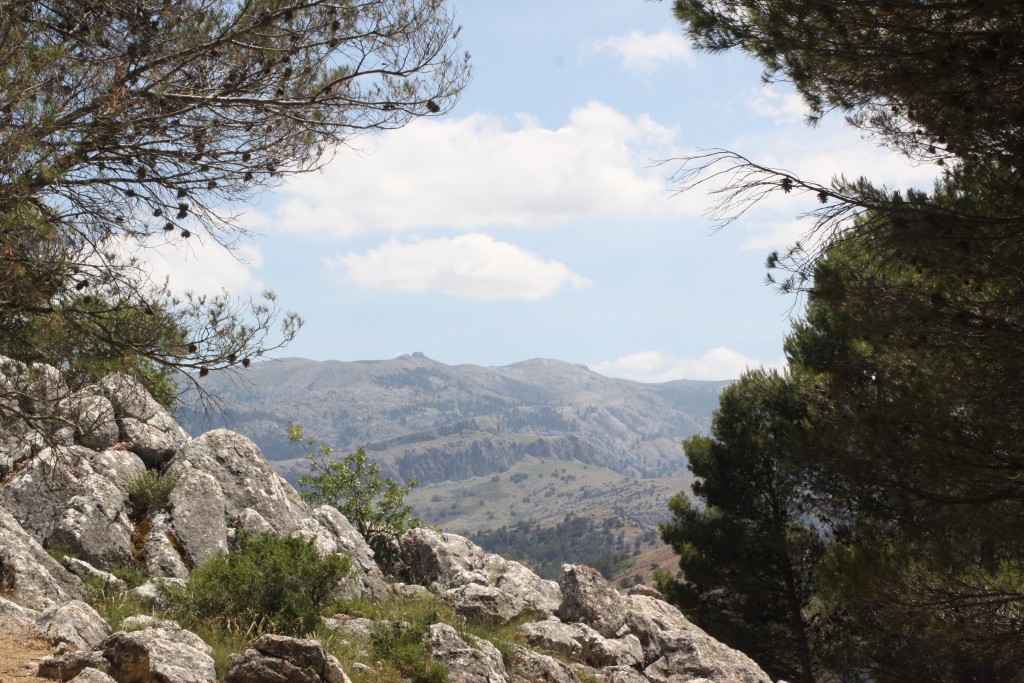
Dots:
(482, 171)
(200, 266)
(471, 266)
(781, 107)
(657, 366)
(647, 51)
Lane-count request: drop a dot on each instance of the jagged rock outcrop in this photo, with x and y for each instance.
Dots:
(27, 572)
(276, 659)
(73, 493)
(74, 623)
(479, 662)
(453, 563)
(158, 655)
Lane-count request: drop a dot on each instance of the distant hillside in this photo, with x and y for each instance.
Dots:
(421, 418)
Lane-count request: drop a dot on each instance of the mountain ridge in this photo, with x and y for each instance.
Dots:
(422, 418)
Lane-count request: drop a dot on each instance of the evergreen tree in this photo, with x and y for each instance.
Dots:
(748, 549)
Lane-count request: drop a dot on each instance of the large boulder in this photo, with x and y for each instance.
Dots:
(27, 572)
(449, 561)
(479, 662)
(582, 643)
(587, 597)
(143, 423)
(158, 655)
(280, 659)
(231, 469)
(531, 667)
(74, 498)
(692, 654)
(74, 623)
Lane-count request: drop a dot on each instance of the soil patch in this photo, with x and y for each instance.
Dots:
(20, 652)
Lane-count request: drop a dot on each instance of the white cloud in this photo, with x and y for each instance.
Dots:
(648, 51)
(781, 107)
(198, 265)
(657, 366)
(472, 266)
(478, 172)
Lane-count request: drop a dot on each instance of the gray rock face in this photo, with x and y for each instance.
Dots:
(466, 664)
(245, 479)
(74, 623)
(588, 598)
(161, 557)
(452, 562)
(74, 498)
(531, 667)
(28, 573)
(692, 654)
(93, 676)
(198, 513)
(74, 665)
(584, 644)
(86, 571)
(275, 659)
(15, 612)
(485, 603)
(158, 655)
(94, 420)
(152, 432)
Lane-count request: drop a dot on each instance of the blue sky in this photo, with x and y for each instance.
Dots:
(533, 221)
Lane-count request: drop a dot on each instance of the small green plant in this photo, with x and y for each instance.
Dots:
(375, 505)
(407, 648)
(265, 583)
(148, 491)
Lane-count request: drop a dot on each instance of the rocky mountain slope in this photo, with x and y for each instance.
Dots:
(67, 467)
(424, 419)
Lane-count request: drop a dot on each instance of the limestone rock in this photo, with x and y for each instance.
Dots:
(465, 663)
(74, 498)
(531, 667)
(22, 615)
(71, 666)
(94, 421)
(245, 478)
(27, 572)
(692, 654)
(143, 423)
(485, 603)
(198, 513)
(158, 655)
(587, 597)
(452, 561)
(74, 623)
(581, 642)
(274, 659)
(86, 571)
(162, 556)
(93, 676)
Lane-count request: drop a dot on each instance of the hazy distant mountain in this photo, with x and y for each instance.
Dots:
(421, 418)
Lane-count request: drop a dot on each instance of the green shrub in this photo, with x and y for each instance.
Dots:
(148, 491)
(375, 505)
(265, 583)
(406, 647)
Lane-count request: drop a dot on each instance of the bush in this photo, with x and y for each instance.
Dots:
(265, 583)
(375, 505)
(148, 491)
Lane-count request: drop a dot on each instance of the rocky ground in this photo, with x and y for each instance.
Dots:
(67, 467)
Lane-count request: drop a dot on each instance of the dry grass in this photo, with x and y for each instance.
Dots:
(20, 652)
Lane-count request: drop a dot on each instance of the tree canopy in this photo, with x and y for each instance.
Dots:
(908, 352)
(127, 124)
